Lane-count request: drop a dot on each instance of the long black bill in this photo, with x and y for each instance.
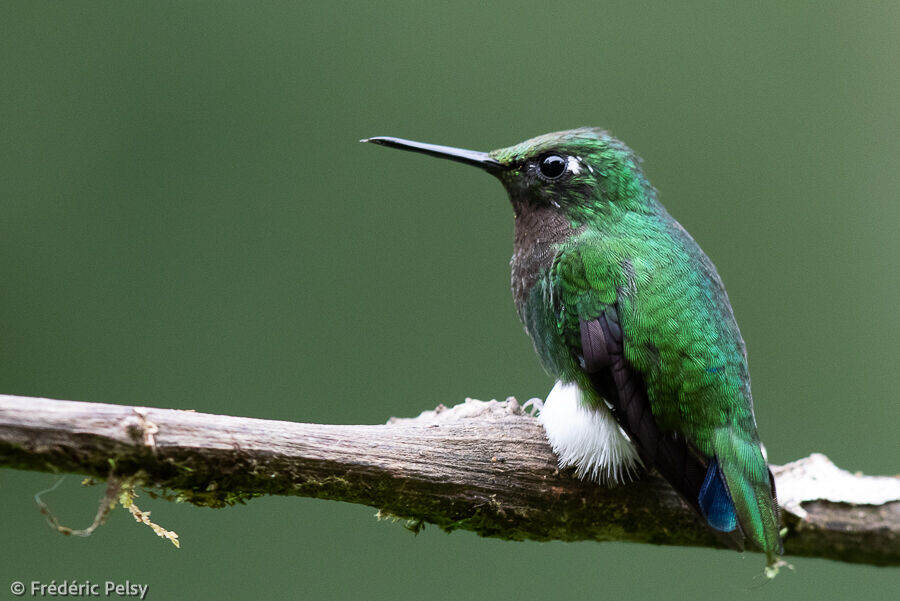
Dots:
(469, 157)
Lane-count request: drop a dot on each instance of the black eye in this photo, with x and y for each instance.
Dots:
(552, 166)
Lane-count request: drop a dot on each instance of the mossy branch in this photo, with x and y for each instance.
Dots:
(480, 466)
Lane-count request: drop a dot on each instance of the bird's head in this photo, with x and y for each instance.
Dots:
(584, 173)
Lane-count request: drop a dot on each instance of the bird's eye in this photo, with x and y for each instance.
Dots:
(552, 166)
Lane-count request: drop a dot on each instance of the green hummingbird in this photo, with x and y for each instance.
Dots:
(632, 319)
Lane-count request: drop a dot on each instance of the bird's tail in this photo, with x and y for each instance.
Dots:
(739, 462)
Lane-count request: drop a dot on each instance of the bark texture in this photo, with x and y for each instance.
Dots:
(480, 466)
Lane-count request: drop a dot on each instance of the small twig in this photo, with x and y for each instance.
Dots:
(107, 504)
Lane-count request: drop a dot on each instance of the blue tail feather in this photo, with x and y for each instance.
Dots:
(715, 502)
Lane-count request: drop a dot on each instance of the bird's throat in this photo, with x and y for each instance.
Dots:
(539, 232)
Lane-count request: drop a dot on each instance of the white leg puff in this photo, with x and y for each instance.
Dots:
(587, 437)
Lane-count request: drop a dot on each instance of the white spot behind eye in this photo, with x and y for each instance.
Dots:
(573, 164)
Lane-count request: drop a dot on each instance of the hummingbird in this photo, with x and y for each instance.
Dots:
(631, 318)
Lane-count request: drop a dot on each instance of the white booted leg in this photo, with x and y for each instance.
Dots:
(587, 437)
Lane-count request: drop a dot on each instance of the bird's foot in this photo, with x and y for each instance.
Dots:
(533, 406)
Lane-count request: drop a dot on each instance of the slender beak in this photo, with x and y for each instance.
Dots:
(469, 157)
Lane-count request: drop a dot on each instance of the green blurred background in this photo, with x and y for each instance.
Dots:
(187, 220)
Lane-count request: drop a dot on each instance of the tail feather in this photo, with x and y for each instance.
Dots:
(715, 502)
(747, 479)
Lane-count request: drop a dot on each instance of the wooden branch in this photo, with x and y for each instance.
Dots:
(480, 466)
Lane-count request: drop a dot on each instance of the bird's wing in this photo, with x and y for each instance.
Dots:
(587, 292)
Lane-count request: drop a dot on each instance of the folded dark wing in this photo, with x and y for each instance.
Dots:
(603, 361)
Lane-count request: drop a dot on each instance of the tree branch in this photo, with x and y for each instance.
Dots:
(480, 466)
